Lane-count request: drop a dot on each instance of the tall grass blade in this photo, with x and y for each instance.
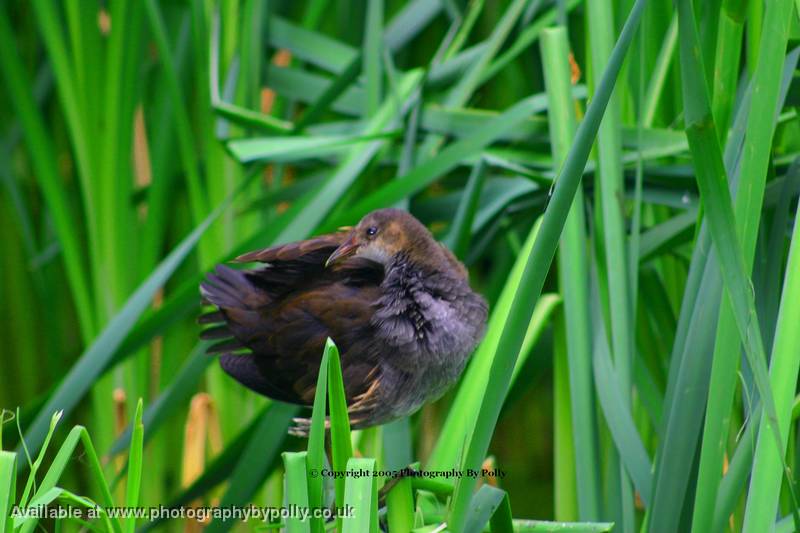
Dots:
(361, 495)
(187, 150)
(536, 268)
(172, 398)
(373, 55)
(464, 410)
(540, 526)
(256, 460)
(620, 422)
(315, 459)
(92, 362)
(573, 277)
(135, 466)
(760, 127)
(461, 229)
(430, 170)
(295, 490)
(611, 222)
(711, 175)
(341, 440)
(400, 506)
(43, 159)
(488, 502)
(765, 483)
(60, 461)
(8, 482)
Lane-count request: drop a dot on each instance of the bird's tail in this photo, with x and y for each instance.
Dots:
(236, 302)
(229, 288)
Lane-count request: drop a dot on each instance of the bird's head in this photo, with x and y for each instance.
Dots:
(384, 235)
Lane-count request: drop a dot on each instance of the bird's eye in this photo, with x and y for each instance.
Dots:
(371, 231)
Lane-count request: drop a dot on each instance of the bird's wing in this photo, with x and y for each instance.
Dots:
(276, 348)
(315, 251)
(291, 338)
(294, 266)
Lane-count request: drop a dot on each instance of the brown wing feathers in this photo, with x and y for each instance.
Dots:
(290, 264)
(279, 315)
(309, 251)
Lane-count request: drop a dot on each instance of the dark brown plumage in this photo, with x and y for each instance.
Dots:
(396, 302)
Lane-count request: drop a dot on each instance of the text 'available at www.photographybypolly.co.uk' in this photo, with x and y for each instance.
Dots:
(201, 514)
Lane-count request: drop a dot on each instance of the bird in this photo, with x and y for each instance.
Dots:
(396, 302)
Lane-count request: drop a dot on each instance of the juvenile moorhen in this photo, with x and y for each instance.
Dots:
(396, 302)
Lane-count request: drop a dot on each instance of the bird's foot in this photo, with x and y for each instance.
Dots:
(300, 427)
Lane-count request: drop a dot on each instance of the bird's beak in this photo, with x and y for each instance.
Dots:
(346, 249)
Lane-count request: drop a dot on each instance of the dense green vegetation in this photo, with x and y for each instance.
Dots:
(620, 177)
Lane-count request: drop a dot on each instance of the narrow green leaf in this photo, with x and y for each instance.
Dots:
(59, 464)
(220, 468)
(334, 90)
(255, 460)
(760, 127)
(408, 22)
(373, 55)
(658, 80)
(400, 506)
(174, 396)
(341, 444)
(711, 180)
(26, 523)
(92, 362)
(310, 46)
(469, 81)
(252, 119)
(536, 268)
(295, 490)
(468, 21)
(317, 205)
(694, 345)
(30, 483)
(487, 502)
(611, 225)
(361, 495)
(461, 228)
(765, 483)
(573, 272)
(315, 460)
(727, 61)
(538, 526)
(667, 235)
(8, 482)
(135, 460)
(527, 37)
(43, 159)
(433, 168)
(187, 151)
(620, 422)
(284, 149)
(739, 469)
